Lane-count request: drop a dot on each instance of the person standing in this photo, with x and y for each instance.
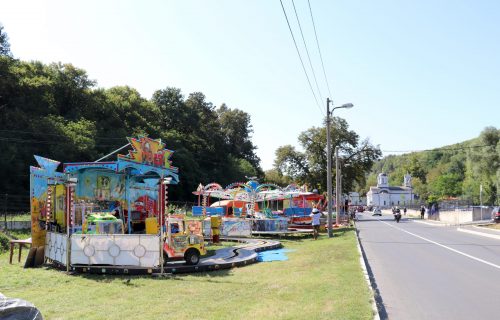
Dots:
(422, 212)
(404, 211)
(315, 214)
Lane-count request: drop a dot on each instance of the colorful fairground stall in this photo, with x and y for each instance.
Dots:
(246, 207)
(103, 213)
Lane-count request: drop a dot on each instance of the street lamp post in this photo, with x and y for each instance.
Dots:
(481, 199)
(337, 186)
(329, 163)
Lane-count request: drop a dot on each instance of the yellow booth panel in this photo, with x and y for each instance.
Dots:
(152, 226)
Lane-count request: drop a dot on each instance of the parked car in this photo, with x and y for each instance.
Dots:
(377, 212)
(495, 214)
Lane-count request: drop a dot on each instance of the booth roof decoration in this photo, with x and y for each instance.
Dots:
(47, 164)
(149, 151)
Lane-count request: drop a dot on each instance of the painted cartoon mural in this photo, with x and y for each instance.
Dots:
(45, 183)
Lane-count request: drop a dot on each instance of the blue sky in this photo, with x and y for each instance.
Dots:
(421, 74)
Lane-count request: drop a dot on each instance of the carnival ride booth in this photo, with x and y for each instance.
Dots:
(244, 207)
(232, 208)
(299, 203)
(103, 213)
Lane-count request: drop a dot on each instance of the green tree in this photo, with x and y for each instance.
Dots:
(4, 43)
(215, 144)
(309, 167)
(274, 176)
(237, 130)
(447, 185)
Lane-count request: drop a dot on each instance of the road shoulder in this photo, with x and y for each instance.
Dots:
(362, 261)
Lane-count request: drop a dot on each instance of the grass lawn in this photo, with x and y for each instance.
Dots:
(321, 280)
(493, 226)
(17, 217)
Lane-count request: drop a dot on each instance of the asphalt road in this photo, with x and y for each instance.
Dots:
(430, 272)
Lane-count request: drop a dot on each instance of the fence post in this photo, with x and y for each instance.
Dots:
(5, 210)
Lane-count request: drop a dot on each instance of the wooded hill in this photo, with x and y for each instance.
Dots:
(57, 111)
(454, 171)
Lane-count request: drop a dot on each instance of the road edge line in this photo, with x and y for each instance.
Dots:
(362, 262)
(494, 236)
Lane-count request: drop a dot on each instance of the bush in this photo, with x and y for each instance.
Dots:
(4, 242)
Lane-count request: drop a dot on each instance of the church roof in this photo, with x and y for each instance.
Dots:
(390, 188)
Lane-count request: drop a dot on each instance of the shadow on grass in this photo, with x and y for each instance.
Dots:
(135, 281)
(300, 237)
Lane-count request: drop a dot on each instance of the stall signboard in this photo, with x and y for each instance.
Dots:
(149, 151)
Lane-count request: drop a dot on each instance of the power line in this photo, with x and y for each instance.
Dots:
(8, 139)
(54, 134)
(440, 149)
(307, 51)
(319, 50)
(300, 57)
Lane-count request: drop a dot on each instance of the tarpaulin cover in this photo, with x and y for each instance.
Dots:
(18, 309)
(273, 255)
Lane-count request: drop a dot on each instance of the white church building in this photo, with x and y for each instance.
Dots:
(385, 196)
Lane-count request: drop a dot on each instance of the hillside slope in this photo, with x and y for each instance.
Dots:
(456, 170)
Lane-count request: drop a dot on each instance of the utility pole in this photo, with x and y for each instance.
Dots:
(329, 167)
(481, 199)
(341, 193)
(337, 186)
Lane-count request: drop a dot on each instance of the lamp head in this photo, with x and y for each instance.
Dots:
(347, 105)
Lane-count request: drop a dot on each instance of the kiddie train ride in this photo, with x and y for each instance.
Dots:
(96, 214)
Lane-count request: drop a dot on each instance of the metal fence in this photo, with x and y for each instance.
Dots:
(14, 204)
(181, 207)
(482, 213)
(11, 206)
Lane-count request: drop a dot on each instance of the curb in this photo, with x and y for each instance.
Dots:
(478, 233)
(362, 262)
(493, 230)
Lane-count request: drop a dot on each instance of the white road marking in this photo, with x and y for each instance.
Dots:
(443, 246)
(433, 224)
(477, 233)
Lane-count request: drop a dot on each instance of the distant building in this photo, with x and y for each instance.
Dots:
(356, 199)
(384, 195)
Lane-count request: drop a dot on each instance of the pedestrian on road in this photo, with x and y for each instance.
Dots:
(422, 212)
(404, 210)
(315, 214)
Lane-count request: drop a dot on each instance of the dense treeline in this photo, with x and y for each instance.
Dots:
(58, 112)
(455, 171)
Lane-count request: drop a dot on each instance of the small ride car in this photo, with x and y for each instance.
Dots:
(377, 212)
(103, 223)
(182, 242)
